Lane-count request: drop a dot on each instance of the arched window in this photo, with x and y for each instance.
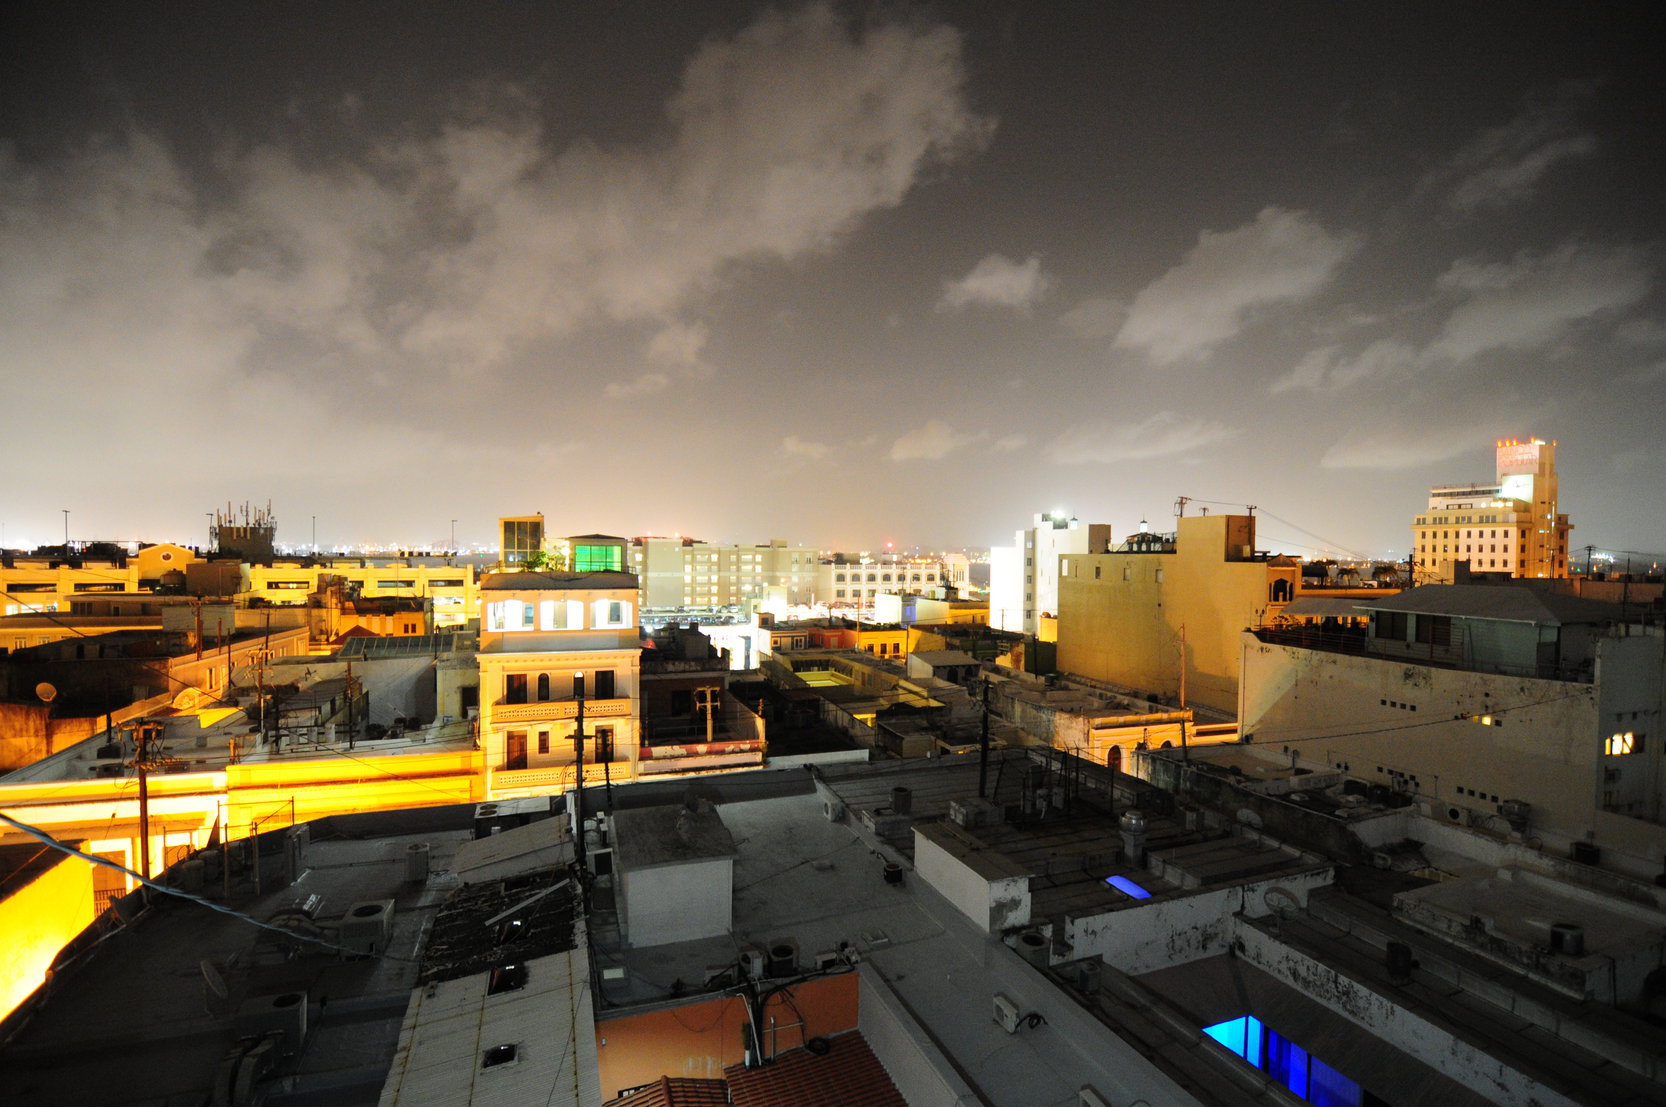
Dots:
(543, 686)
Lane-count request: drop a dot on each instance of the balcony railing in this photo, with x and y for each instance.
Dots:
(555, 777)
(547, 710)
(1441, 655)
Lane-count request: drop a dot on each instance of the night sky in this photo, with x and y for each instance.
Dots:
(835, 274)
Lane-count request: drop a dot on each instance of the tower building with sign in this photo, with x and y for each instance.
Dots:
(1512, 526)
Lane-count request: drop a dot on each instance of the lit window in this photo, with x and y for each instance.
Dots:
(1621, 744)
(610, 613)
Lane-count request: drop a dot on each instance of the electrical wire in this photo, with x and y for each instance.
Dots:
(1260, 739)
(63, 847)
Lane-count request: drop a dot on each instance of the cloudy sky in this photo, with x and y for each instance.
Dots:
(839, 274)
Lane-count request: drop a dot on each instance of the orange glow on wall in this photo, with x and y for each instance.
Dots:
(699, 1040)
(39, 919)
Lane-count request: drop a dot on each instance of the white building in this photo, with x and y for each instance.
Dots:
(688, 573)
(1024, 577)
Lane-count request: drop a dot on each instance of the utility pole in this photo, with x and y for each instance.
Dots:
(143, 734)
(65, 510)
(578, 747)
(983, 743)
(705, 699)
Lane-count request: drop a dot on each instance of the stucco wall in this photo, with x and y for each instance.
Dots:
(1166, 932)
(1128, 631)
(1358, 713)
(991, 904)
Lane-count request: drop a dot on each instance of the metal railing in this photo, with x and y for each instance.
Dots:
(1445, 654)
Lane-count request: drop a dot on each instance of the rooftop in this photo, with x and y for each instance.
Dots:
(599, 581)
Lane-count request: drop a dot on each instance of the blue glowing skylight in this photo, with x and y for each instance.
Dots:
(1127, 887)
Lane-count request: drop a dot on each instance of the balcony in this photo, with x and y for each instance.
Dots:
(545, 711)
(556, 778)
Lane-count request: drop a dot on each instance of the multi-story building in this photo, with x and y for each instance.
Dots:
(1024, 577)
(853, 583)
(45, 582)
(451, 590)
(1162, 613)
(1511, 526)
(688, 573)
(1503, 707)
(547, 641)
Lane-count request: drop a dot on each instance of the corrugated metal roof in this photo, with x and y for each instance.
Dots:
(404, 646)
(451, 1025)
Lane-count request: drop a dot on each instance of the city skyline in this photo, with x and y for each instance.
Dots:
(832, 275)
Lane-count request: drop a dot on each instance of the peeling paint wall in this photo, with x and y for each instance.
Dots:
(1474, 1069)
(1166, 932)
(1417, 728)
(993, 905)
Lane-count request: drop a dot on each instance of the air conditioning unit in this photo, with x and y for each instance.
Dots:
(1089, 1097)
(1006, 1013)
(752, 963)
(367, 927)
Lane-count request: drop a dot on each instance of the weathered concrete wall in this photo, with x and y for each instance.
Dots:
(993, 905)
(1472, 1067)
(1166, 932)
(1416, 728)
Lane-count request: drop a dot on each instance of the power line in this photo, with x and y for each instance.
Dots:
(1412, 726)
(53, 843)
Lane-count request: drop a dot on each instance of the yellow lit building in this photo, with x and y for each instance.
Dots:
(31, 584)
(1163, 613)
(1511, 526)
(541, 634)
(452, 590)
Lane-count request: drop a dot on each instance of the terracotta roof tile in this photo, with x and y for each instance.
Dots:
(849, 1075)
(670, 1091)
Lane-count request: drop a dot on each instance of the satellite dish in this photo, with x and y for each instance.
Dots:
(46, 692)
(187, 699)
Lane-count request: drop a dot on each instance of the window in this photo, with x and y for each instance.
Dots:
(543, 690)
(514, 688)
(602, 751)
(1390, 625)
(592, 558)
(610, 613)
(604, 685)
(838, 593)
(544, 742)
(506, 978)
(499, 1055)
(839, 578)
(1623, 743)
